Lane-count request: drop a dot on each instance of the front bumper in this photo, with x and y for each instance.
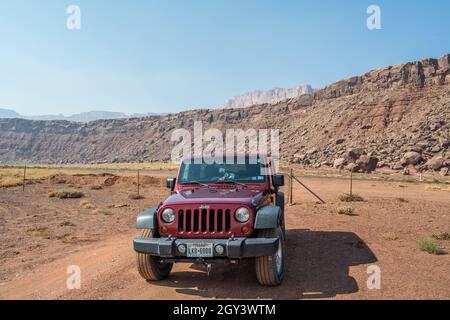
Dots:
(235, 248)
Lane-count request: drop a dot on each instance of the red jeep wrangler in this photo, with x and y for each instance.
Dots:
(216, 213)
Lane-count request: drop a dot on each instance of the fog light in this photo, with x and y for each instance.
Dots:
(220, 249)
(182, 249)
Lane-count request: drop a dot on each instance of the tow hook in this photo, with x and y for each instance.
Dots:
(208, 268)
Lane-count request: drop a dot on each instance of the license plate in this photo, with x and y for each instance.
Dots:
(200, 250)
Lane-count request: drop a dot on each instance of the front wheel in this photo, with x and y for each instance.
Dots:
(270, 269)
(150, 267)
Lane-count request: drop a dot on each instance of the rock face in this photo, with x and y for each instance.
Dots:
(411, 157)
(269, 96)
(383, 114)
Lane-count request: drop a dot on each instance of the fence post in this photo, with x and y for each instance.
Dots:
(291, 175)
(351, 182)
(138, 183)
(24, 177)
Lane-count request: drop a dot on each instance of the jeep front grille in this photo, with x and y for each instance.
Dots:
(204, 221)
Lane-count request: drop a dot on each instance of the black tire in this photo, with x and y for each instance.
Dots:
(150, 267)
(280, 204)
(267, 272)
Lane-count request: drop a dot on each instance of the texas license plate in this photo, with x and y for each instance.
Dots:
(200, 250)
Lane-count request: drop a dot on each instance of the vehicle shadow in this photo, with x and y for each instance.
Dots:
(317, 266)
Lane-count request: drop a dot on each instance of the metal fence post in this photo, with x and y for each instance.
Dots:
(291, 175)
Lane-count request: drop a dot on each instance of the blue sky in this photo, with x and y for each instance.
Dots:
(166, 56)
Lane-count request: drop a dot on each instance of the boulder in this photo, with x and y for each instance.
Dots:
(411, 157)
(352, 167)
(354, 154)
(435, 163)
(366, 163)
(436, 149)
(299, 156)
(340, 141)
(444, 172)
(339, 163)
(445, 143)
(326, 164)
(397, 166)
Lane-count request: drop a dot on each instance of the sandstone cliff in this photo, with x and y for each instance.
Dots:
(269, 96)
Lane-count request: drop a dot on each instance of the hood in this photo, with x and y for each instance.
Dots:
(211, 195)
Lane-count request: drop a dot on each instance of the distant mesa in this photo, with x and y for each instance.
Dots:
(267, 96)
(79, 117)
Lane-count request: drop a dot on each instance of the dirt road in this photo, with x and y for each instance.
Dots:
(327, 254)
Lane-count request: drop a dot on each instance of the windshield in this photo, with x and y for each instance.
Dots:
(220, 173)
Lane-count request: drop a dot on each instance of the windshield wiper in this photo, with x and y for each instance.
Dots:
(195, 182)
(230, 181)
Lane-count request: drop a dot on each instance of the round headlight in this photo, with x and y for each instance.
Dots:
(242, 215)
(168, 215)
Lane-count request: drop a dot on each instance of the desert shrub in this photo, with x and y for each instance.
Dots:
(430, 246)
(96, 187)
(390, 236)
(348, 211)
(402, 200)
(346, 197)
(66, 194)
(441, 236)
(135, 196)
(39, 232)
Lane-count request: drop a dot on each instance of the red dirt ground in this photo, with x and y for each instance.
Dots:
(327, 254)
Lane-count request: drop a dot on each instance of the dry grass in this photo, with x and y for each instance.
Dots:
(389, 236)
(66, 194)
(11, 176)
(431, 247)
(347, 211)
(10, 181)
(39, 232)
(120, 166)
(346, 197)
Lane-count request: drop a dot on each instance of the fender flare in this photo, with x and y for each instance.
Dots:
(267, 217)
(147, 219)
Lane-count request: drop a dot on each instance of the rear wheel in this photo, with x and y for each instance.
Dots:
(270, 269)
(151, 267)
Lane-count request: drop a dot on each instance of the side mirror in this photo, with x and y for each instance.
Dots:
(170, 183)
(278, 180)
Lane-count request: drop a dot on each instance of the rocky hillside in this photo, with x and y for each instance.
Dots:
(268, 96)
(394, 117)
